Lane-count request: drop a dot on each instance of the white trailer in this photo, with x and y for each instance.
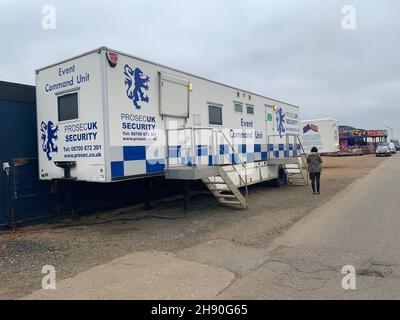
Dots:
(106, 116)
(320, 133)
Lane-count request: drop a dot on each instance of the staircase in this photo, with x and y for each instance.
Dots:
(296, 176)
(214, 177)
(223, 178)
(295, 167)
(296, 173)
(224, 190)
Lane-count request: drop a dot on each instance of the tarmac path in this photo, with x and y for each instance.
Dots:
(359, 227)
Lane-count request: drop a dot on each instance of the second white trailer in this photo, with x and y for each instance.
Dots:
(320, 133)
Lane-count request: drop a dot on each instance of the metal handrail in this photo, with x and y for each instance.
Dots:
(296, 142)
(191, 128)
(192, 151)
(305, 175)
(192, 148)
(240, 162)
(287, 136)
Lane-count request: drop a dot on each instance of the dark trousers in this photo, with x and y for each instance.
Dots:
(315, 178)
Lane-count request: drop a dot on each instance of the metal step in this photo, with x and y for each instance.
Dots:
(232, 187)
(216, 189)
(225, 196)
(225, 181)
(215, 182)
(300, 176)
(231, 202)
(296, 174)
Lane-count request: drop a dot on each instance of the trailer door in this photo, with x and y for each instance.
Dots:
(174, 107)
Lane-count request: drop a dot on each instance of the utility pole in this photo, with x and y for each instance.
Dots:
(391, 131)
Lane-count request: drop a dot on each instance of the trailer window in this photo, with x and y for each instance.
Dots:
(215, 115)
(68, 107)
(250, 109)
(238, 107)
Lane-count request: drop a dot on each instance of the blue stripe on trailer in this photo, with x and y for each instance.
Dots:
(202, 150)
(264, 155)
(223, 149)
(286, 153)
(242, 148)
(134, 157)
(187, 161)
(155, 166)
(211, 160)
(134, 153)
(251, 157)
(117, 169)
(174, 151)
(234, 159)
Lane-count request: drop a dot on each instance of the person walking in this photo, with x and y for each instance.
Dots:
(314, 164)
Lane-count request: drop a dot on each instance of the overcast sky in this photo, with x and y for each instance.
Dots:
(295, 51)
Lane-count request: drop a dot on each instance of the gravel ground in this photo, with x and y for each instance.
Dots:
(75, 245)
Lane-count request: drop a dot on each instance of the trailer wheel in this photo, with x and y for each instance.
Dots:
(280, 181)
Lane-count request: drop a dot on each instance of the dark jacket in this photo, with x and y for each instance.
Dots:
(314, 162)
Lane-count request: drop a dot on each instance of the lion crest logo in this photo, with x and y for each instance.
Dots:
(280, 121)
(49, 136)
(136, 81)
